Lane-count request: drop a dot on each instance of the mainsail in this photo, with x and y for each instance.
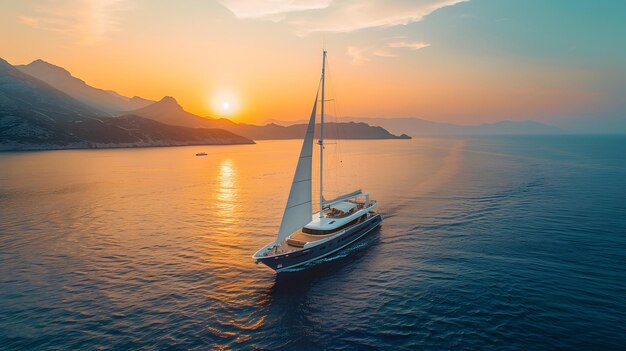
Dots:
(299, 206)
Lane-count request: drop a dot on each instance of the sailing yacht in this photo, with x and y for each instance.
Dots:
(303, 236)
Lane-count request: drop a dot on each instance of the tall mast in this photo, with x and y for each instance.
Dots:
(321, 141)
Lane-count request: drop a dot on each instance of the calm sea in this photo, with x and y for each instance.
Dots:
(515, 243)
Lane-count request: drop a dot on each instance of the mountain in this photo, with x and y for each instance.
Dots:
(35, 115)
(417, 127)
(168, 111)
(104, 100)
(350, 130)
(20, 92)
(516, 127)
(612, 122)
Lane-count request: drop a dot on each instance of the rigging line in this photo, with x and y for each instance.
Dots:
(340, 132)
(353, 171)
(338, 164)
(339, 129)
(331, 167)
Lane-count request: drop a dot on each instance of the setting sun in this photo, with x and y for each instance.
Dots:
(224, 103)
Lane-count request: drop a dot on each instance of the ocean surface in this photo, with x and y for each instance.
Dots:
(488, 243)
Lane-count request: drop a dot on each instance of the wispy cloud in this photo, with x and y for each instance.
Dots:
(87, 21)
(358, 55)
(308, 16)
(361, 55)
(415, 45)
(384, 53)
(259, 9)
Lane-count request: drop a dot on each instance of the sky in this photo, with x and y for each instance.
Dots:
(468, 62)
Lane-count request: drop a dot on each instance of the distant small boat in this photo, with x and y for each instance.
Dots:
(201, 154)
(304, 236)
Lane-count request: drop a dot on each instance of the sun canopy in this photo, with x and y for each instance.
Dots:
(343, 197)
(344, 206)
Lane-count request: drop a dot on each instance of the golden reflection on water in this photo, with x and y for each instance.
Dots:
(226, 214)
(226, 193)
(228, 252)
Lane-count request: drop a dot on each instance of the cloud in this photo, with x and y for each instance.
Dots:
(358, 55)
(308, 16)
(259, 9)
(384, 53)
(361, 55)
(87, 21)
(416, 45)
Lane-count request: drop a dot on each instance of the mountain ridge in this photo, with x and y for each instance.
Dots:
(168, 111)
(414, 126)
(60, 78)
(36, 116)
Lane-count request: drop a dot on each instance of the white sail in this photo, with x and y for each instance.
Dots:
(299, 204)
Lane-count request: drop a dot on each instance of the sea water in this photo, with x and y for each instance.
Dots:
(488, 243)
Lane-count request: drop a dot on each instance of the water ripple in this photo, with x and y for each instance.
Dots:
(487, 243)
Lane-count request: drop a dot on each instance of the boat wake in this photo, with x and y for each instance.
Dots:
(387, 215)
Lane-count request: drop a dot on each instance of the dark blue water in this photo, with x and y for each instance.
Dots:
(515, 243)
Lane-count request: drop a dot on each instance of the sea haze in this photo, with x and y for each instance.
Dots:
(488, 243)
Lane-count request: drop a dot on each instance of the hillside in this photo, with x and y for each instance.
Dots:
(35, 116)
(168, 111)
(417, 127)
(104, 100)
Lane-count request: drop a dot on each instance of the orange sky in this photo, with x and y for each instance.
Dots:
(442, 60)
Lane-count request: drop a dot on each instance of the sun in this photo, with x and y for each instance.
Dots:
(225, 103)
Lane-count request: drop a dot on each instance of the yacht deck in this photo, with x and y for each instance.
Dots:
(296, 242)
(333, 213)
